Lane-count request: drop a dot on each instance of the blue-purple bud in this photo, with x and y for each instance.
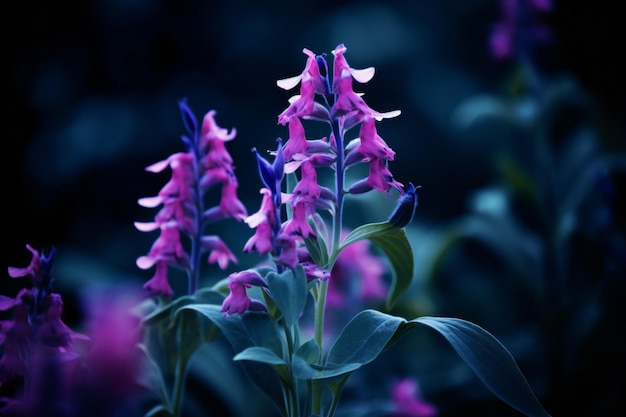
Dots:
(266, 172)
(189, 120)
(405, 208)
(323, 66)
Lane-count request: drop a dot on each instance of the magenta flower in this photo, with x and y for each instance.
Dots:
(298, 224)
(307, 189)
(372, 146)
(219, 251)
(408, 401)
(205, 164)
(347, 100)
(380, 178)
(230, 205)
(262, 240)
(238, 302)
(159, 284)
(167, 247)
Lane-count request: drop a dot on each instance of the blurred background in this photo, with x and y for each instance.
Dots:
(519, 228)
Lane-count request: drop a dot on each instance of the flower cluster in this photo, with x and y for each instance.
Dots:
(35, 338)
(329, 98)
(205, 164)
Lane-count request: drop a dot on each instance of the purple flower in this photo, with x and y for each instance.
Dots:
(159, 284)
(219, 251)
(372, 146)
(298, 224)
(238, 302)
(380, 178)
(408, 401)
(167, 247)
(230, 205)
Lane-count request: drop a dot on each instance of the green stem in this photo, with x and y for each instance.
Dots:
(179, 385)
(320, 304)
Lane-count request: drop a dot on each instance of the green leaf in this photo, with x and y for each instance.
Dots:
(242, 332)
(309, 351)
(363, 338)
(264, 355)
(395, 244)
(489, 359)
(370, 332)
(289, 292)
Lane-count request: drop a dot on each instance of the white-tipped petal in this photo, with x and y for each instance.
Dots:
(150, 202)
(363, 75)
(289, 83)
(146, 227)
(145, 262)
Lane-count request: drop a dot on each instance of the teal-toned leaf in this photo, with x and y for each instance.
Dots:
(488, 358)
(363, 338)
(317, 245)
(370, 332)
(242, 332)
(264, 355)
(289, 292)
(309, 351)
(395, 244)
(151, 376)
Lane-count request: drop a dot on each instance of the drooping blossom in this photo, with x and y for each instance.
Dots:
(238, 302)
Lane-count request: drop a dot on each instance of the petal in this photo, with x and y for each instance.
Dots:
(146, 226)
(150, 202)
(289, 83)
(363, 75)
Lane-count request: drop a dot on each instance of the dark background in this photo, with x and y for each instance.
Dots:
(91, 91)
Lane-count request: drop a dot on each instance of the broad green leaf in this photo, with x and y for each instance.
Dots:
(363, 338)
(488, 358)
(370, 332)
(395, 244)
(289, 292)
(264, 355)
(242, 332)
(309, 351)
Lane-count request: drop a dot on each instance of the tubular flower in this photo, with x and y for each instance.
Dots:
(159, 285)
(238, 302)
(205, 163)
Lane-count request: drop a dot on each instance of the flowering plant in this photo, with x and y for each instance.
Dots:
(274, 315)
(266, 313)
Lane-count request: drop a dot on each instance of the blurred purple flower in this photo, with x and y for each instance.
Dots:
(408, 402)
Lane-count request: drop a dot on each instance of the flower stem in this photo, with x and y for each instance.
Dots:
(320, 304)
